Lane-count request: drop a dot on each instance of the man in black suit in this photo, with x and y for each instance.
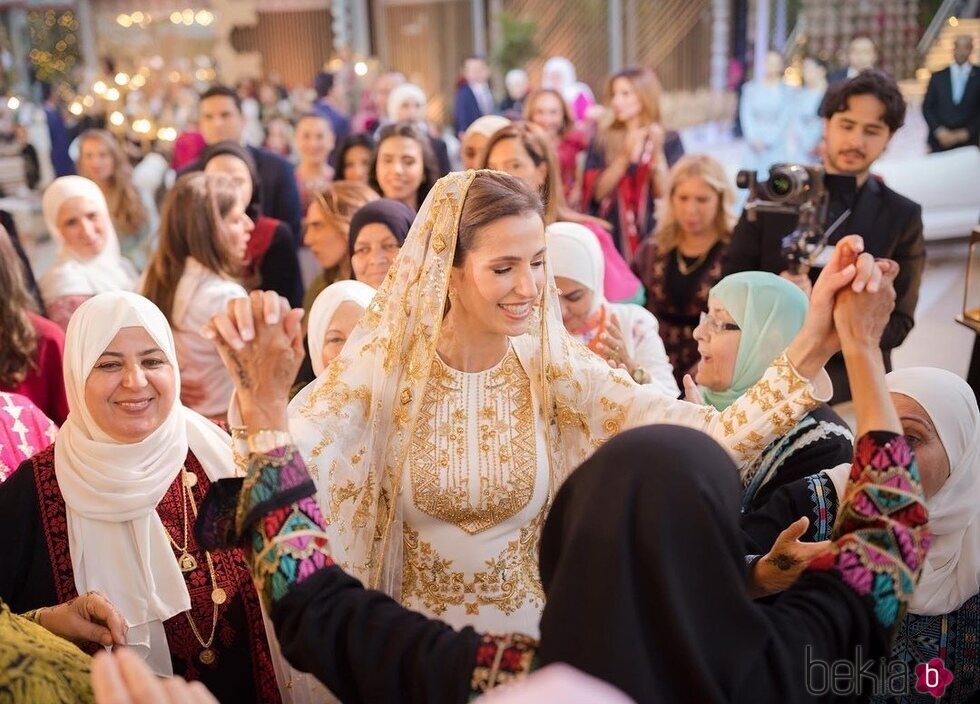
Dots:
(220, 113)
(473, 96)
(860, 117)
(952, 103)
(862, 54)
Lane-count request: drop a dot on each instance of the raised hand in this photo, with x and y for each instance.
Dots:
(860, 318)
(692, 393)
(261, 343)
(612, 347)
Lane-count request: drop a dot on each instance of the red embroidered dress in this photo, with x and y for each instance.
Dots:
(38, 572)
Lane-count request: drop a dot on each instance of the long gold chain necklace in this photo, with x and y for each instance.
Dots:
(188, 563)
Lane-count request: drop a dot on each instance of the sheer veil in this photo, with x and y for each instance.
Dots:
(355, 424)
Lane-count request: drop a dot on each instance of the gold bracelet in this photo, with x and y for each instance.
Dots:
(35, 615)
(261, 442)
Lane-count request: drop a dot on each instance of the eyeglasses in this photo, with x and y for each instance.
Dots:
(714, 326)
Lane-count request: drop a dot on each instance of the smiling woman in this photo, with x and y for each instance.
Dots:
(89, 260)
(459, 405)
(404, 166)
(108, 507)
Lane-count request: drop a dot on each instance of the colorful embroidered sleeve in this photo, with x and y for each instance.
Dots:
(501, 659)
(881, 536)
(280, 523)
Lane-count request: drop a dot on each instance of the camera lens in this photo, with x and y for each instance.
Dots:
(781, 185)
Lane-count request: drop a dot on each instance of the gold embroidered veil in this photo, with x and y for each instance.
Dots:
(354, 424)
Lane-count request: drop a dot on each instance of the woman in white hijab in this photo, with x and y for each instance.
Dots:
(406, 103)
(335, 313)
(559, 74)
(89, 260)
(110, 508)
(624, 334)
(476, 137)
(940, 418)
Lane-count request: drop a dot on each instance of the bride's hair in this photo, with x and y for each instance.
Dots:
(492, 195)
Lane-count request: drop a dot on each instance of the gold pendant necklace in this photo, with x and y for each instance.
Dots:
(185, 560)
(684, 267)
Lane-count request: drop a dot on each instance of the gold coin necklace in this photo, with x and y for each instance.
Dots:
(187, 563)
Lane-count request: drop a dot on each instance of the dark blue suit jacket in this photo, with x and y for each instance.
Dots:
(467, 109)
(277, 188)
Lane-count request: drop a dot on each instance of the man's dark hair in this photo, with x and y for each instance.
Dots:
(323, 83)
(223, 92)
(873, 82)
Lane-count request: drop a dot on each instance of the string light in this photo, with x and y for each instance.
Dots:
(142, 126)
(166, 134)
(13, 103)
(122, 78)
(99, 88)
(361, 68)
(116, 118)
(112, 95)
(124, 21)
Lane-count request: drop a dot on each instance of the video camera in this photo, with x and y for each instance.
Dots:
(793, 189)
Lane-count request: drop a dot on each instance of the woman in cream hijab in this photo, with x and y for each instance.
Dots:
(110, 508)
(89, 260)
(624, 334)
(941, 421)
(335, 313)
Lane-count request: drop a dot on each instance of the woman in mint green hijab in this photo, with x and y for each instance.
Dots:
(752, 316)
(769, 312)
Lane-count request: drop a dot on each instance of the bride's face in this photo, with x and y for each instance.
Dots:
(501, 278)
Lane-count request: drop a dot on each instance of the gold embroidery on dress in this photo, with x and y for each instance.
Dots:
(440, 455)
(508, 582)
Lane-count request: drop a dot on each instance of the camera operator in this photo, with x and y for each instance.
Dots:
(860, 117)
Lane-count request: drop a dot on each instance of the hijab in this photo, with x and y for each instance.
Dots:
(393, 214)
(575, 254)
(486, 125)
(662, 607)
(400, 94)
(118, 544)
(322, 312)
(951, 574)
(72, 274)
(770, 312)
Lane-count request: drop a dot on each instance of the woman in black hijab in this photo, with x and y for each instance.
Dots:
(377, 231)
(641, 562)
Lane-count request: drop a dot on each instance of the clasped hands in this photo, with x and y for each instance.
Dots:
(260, 340)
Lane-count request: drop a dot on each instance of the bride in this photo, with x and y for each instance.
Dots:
(440, 434)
